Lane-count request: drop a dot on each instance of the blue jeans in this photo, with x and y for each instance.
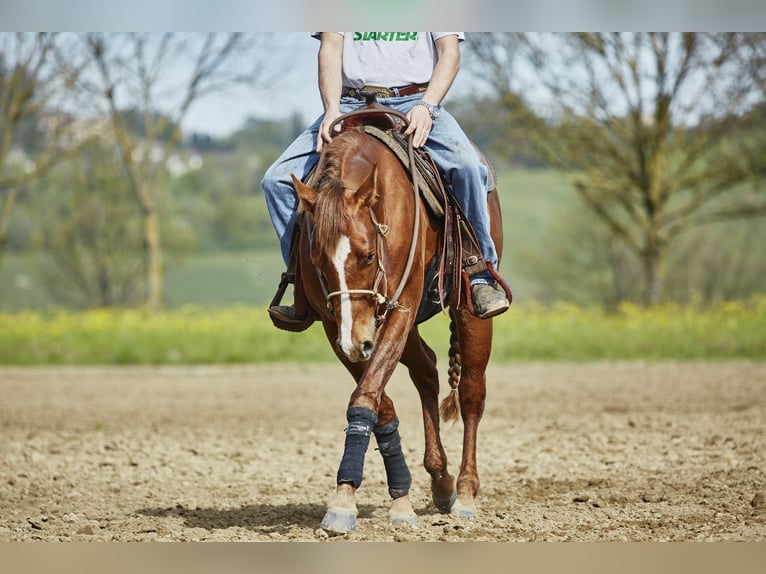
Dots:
(450, 148)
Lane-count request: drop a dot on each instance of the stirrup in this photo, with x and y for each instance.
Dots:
(491, 303)
(288, 318)
(499, 284)
(287, 314)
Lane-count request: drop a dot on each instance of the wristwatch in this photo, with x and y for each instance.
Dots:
(433, 110)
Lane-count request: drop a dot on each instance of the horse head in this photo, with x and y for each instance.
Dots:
(348, 251)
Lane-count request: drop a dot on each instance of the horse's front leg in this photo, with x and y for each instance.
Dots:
(363, 419)
(341, 510)
(398, 473)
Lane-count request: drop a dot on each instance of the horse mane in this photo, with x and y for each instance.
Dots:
(329, 213)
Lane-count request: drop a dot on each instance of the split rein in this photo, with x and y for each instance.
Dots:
(383, 302)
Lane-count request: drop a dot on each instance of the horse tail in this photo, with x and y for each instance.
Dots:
(450, 406)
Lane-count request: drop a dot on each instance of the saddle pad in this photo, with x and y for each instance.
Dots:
(424, 176)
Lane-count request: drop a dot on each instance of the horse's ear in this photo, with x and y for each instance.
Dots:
(306, 194)
(367, 194)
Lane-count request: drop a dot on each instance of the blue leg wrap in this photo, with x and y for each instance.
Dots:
(390, 447)
(361, 421)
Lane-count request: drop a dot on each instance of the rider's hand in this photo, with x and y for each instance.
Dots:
(324, 128)
(420, 125)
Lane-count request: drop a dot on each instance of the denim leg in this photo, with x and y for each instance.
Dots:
(463, 171)
(461, 168)
(281, 199)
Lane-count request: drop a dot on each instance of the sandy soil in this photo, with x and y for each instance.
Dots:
(623, 451)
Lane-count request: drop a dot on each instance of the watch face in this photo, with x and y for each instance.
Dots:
(433, 111)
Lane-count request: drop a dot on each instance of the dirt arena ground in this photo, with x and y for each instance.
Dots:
(605, 451)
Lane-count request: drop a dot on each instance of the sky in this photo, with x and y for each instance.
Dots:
(220, 115)
(475, 15)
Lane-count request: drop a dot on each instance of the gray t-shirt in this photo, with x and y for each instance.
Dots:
(389, 59)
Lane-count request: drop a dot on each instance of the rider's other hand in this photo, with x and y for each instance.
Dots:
(420, 125)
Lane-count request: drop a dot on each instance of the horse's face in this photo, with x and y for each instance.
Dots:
(350, 271)
(345, 250)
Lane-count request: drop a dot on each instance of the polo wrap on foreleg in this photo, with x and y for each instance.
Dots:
(390, 447)
(361, 421)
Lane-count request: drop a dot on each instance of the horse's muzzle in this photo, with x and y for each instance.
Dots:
(359, 352)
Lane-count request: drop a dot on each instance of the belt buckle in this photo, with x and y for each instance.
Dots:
(379, 91)
(372, 93)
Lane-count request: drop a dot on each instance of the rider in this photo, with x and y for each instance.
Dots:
(411, 72)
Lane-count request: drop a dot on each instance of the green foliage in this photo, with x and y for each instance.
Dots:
(21, 285)
(93, 233)
(135, 121)
(557, 250)
(222, 201)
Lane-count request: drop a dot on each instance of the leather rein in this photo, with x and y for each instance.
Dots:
(383, 302)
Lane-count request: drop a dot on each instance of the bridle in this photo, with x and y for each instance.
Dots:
(383, 303)
(379, 284)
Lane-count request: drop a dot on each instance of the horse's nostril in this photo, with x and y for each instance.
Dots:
(367, 348)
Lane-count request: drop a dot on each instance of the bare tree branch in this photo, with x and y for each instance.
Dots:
(35, 86)
(648, 124)
(165, 75)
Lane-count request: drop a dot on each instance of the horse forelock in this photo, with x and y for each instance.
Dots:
(329, 215)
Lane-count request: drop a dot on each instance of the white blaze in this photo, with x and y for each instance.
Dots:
(339, 260)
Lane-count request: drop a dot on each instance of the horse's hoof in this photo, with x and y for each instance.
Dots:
(401, 512)
(444, 505)
(338, 521)
(461, 510)
(403, 519)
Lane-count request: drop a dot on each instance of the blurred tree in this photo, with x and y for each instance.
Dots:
(146, 73)
(36, 128)
(92, 233)
(495, 129)
(752, 53)
(647, 125)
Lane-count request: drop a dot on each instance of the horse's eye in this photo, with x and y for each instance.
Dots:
(369, 259)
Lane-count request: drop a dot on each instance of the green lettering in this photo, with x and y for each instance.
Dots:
(385, 36)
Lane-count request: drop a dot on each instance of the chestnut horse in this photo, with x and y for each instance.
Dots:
(365, 242)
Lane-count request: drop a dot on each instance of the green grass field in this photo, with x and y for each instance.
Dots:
(244, 334)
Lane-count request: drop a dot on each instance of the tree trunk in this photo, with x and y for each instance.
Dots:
(653, 264)
(153, 247)
(5, 220)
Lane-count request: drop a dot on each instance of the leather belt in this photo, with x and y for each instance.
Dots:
(382, 92)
